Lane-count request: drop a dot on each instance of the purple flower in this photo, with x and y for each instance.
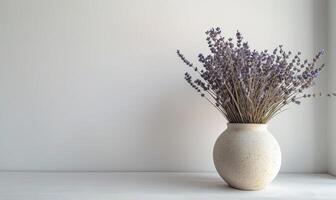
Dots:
(249, 86)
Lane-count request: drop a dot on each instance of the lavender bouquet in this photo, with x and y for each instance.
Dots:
(249, 86)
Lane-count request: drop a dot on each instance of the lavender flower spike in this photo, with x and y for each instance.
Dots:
(249, 86)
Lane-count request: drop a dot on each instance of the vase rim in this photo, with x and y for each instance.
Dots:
(242, 125)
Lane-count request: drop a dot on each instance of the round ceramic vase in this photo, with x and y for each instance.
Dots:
(247, 156)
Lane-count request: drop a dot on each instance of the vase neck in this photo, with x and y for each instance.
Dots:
(246, 126)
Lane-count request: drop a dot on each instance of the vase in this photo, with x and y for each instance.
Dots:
(247, 156)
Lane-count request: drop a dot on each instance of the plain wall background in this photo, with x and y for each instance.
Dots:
(332, 86)
(96, 85)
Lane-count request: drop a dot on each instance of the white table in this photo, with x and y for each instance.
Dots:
(155, 186)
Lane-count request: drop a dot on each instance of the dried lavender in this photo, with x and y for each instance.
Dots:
(249, 86)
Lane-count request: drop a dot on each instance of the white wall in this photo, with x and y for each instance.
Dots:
(332, 86)
(96, 85)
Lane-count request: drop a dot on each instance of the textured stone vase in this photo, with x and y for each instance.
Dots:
(247, 156)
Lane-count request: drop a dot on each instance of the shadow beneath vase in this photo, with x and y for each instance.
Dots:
(205, 182)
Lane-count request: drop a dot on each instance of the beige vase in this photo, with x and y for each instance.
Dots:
(247, 156)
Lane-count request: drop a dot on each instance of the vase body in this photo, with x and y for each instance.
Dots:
(247, 156)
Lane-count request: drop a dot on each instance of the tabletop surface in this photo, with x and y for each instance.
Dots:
(155, 185)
